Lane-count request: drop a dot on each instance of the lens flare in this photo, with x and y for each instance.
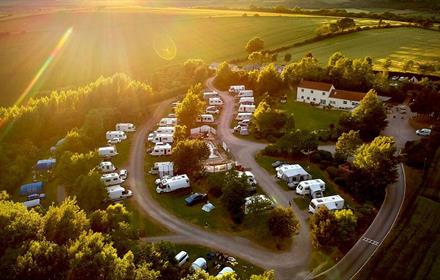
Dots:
(165, 47)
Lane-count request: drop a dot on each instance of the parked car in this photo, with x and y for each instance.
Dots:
(196, 198)
(114, 141)
(278, 163)
(423, 132)
(123, 174)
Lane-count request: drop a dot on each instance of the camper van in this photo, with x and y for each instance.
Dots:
(106, 166)
(168, 122)
(243, 116)
(212, 110)
(173, 184)
(250, 177)
(215, 101)
(210, 94)
(107, 152)
(126, 127)
(111, 179)
(161, 149)
(236, 88)
(162, 137)
(334, 202)
(205, 118)
(162, 169)
(246, 108)
(245, 93)
(116, 193)
(249, 201)
(314, 188)
(246, 100)
(115, 134)
(292, 174)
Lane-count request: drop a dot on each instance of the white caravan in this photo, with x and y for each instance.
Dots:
(243, 116)
(116, 193)
(161, 130)
(292, 174)
(181, 258)
(246, 93)
(205, 118)
(162, 137)
(334, 202)
(106, 166)
(250, 177)
(162, 169)
(225, 270)
(115, 134)
(126, 127)
(161, 149)
(199, 264)
(236, 88)
(246, 108)
(260, 198)
(111, 179)
(172, 184)
(168, 122)
(246, 100)
(314, 188)
(212, 110)
(107, 152)
(32, 203)
(215, 101)
(210, 94)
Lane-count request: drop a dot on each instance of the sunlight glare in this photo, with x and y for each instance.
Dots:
(165, 47)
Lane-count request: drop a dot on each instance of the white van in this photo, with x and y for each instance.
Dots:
(250, 177)
(243, 116)
(205, 118)
(161, 149)
(116, 193)
(115, 134)
(212, 110)
(334, 202)
(215, 101)
(168, 122)
(172, 184)
(246, 100)
(111, 179)
(236, 88)
(107, 152)
(126, 127)
(164, 138)
(106, 166)
(181, 258)
(310, 187)
(246, 93)
(210, 94)
(246, 108)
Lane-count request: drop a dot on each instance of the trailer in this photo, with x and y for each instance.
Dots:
(172, 184)
(313, 188)
(165, 168)
(111, 179)
(163, 137)
(245, 93)
(292, 174)
(246, 100)
(215, 101)
(243, 116)
(236, 88)
(125, 127)
(107, 152)
(161, 149)
(334, 202)
(32, 203)
(205, 118)
(210, 94)
(109, 135)
(117, 193)
(246, 108)
(168, 122)
(106, 166)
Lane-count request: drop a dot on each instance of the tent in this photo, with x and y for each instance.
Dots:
(31, 188)
(45, 164)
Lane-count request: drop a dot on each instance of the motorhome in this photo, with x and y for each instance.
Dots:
(314, 188)
(236, 88)
(168, 122)
(32, 203)
(116, 193)
(126, 127)
(215, 101)
(162, 169)
(245, 93)
(243, 116)
(334, 202)
(172, 184)
(210, 94)
(161, 149)
(246, 100)
(292, 174)
(205, 118)
(161, 130)
(106, 166)
(246, 108)
(115, 134)
(111, 179)
(250, 177)
(257, 199)
(162, 137)
(107, 152)
(212, 110)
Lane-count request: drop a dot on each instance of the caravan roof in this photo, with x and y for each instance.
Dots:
(45, 164)
(292, 170)
(31, 188)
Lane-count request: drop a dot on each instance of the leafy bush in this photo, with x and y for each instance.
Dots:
(271, 150)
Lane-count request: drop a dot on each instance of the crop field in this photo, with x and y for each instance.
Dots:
(400, 44)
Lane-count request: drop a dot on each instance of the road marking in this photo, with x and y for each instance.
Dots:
(371, 241)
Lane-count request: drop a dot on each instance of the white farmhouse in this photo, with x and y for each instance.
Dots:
(326, 94)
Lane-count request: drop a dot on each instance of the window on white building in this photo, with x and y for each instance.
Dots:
(302, 96)
(323, 93)
(314, 99)
(332, 102)
(311, 91)
(302, 90)
(345, 102)
(308, 98)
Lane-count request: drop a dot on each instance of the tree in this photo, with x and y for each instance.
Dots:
(234, 192)
(287, 57)
(195, 70)
(269, 80)
(256, 57)
(254, 45)
(346, 23)
(191, 107)
(308, 68)
(65, 222)
(282, 222)
(90, 191)
(296, 141)
(189, 154)
(181, 133)
(348, 143)
(225, 77)
(347, 222)
(144, 272)
(408, 65)
(270, 122)
(324, 228)
(267, 275)
(387, 64)
(274, 57)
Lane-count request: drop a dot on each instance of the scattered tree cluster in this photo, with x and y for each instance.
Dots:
(293, 143)
(191, 107)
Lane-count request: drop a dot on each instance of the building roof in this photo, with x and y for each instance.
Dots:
(347, 95)
(315, 85)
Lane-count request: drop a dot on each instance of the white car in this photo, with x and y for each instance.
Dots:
(123, 174)
(114, 141)
(423, 132)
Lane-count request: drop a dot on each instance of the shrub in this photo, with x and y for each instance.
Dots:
(333, 172)
(341, 181)
(271, 139)
(271, 150)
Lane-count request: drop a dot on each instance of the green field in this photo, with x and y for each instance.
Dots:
(400, 44)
